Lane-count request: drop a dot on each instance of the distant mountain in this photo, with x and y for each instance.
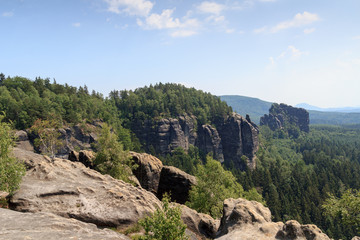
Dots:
(342, 110)
(256, 108)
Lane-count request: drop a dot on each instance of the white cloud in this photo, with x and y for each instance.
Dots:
(299, 20)
(160, 21)
(131, 7)
(295, 53)
(7, 14)
(231, 30)
(309, 30)
(76, 24)
(211, 7)
(356, 37)
(183, 33)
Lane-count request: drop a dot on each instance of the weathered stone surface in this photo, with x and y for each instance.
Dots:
(239, 137)
(356, 238)
(74, 156)
(199, 223)
(19, 226)
(177, 182)
(282, 115)
(69, 189)
(22, 141)
(243, 219)
(294, 230)
(87, 157)
(209, 141)
(148, 171)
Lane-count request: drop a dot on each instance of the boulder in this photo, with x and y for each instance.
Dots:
(69, 189)
(243, 219)
(22, 140)
(87, 157)
(176, 182)
(201, 224)
(18, 226)
(294, 230)
(148, 170)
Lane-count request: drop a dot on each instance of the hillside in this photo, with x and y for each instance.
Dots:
(256, 108)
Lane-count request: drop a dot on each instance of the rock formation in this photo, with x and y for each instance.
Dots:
(16, 225)
(232, 138)
(177, 182)
(148, 170)
(282, 115)
(69, 189)
(248, 220)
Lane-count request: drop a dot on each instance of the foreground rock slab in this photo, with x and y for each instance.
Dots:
(248, 220)
(69, 189)
(16, 226)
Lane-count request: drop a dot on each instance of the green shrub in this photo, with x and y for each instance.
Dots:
(11, 170)
(164, 224)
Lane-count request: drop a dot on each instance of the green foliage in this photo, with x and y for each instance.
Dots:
(11, 170)
(165, 223)
(182, 160)
(214, 185)
(111, 158)
(47, 132)
(347, 208)
(295, 176)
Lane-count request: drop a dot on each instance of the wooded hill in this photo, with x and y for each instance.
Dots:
(294, 175)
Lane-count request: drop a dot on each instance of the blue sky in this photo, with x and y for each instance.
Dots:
(289, 51)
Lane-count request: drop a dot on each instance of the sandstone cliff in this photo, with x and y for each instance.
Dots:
(232, 138)
(282, 115)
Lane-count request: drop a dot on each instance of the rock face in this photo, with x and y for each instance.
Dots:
(86, 157)
(177, 182)
(282, 115)
(199, 223)
(232, 138)
(239, 138)
(22, 141)
(243, 219)
(16, 225)
(148, 171)
(69, 189)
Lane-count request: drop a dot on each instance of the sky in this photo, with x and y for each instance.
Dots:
(285, 51)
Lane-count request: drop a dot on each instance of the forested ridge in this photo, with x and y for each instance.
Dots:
(294, 175)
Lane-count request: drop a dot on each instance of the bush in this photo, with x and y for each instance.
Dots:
(11, 170)
(111, 158)
(214, 185)
(164, 224)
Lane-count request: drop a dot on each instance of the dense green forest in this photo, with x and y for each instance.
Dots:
(294, 175)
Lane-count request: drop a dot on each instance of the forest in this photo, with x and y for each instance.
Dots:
(294, 175)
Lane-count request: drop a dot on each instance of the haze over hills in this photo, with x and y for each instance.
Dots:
(256, 108)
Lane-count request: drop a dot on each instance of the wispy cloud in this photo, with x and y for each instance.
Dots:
(131, 7)
(183, 33)
(309, 30)
(211, 7)
(299, 20)
(290, 54)
(7, 14)
(356, 37)
(160, 21)
(77, 24)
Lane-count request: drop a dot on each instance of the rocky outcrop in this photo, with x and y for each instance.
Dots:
(199, 223)
(16, 225)
(148, 171)
(282, 116)
(232, 138)
(22, 140)
(71, 190)
(86, 157)
(176, 182)
(247, 220)
(239, 138)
